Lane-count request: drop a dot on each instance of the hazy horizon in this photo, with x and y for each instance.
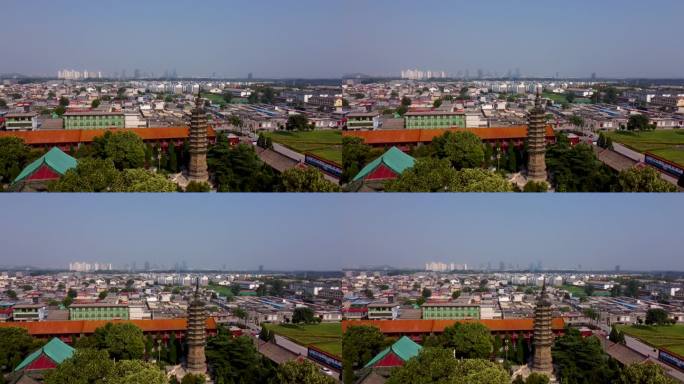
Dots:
(325, 39)
(331, 232)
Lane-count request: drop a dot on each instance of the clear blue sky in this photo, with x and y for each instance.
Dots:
(328, 232)
(326, 38)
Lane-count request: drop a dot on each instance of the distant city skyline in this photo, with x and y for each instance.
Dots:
(325, 39)
(331, 232)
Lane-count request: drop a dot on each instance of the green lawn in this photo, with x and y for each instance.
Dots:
(575, 291)
(668, 144)
(326, 144)
(668, 337)
(325, 336)
(579, 291)
(556, 97)
(224, 291)
(214, 98)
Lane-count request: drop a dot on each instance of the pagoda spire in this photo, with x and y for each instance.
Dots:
(197, 362)
(543, 334)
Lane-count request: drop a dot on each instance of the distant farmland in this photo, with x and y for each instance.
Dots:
(670, 337)
(668, 144)
(326, 144)
(324, 336)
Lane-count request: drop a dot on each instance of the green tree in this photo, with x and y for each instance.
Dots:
(240, 314)
(657, 316)
(102, 295)
(589, 290)
(11, 294)
(136, 372)
(426, 293)
(511, 158)
(302, 372)
(519, 353)
(355, 156)
(467, 340)
(63, 102)
(645, 374)
(298, 123)
(193, 379)
(125, 149)
(436, 365)
(195, 187)
(359, 346)
(570, 97)
(537, 378)
(90, 175)
(632, 289)
(173, 349)
(644, 179)
(14, 155)
(3, 103)
(576, 169)
(236, 360)
(462, 149)
(536, 186)
(149, 347)
(15, 344)
(86, 366)
(406, 102)
(437, 103)
(577, 121)
(639, 123)
(96, 103)
(303, 315)
(307, 180)
(239, 169)
(173, 159)
(434, 175)
(122, 341)
(140, 180)
(582, 360)
(268, 95)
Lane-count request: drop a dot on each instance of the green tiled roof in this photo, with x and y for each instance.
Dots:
(56, 350)
(395, 159)
(59, 161)
(405, 348)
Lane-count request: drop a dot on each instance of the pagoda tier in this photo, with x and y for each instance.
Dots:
(543, 336)
(536, 142)
(196, 337)
(197, 140)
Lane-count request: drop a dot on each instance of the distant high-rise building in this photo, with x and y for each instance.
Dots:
(250, 76)
(416, 74)
(136, 74)
(81, 266)
(593, 76)
(617, 268)
(436, 267)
